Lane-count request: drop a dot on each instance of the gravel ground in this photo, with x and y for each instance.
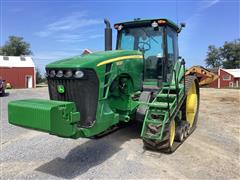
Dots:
(211, 152)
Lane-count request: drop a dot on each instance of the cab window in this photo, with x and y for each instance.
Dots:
(149, 41)
(172, 52)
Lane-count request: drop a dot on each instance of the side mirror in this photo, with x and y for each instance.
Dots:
(182, 25)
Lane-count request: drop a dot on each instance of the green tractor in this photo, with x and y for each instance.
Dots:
(142, 80)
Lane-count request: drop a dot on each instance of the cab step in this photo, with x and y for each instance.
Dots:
(167, 95)
(163, 105)
(173, 87)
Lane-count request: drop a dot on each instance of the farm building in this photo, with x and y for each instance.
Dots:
(86, 51)
(228, 78)
(19, 71)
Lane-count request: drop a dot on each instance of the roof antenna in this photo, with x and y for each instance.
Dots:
(177, 11)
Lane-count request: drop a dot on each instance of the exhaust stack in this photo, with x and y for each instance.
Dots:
(108, 36)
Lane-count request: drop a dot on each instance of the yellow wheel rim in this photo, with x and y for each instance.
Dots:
(191, 104)
(172, 132)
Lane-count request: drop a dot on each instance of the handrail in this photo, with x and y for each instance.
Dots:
(168, 100)
(176, 84)
(184, 78)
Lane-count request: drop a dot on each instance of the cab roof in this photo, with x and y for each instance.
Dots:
(142, 22)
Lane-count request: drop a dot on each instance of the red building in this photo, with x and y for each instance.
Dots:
(86, 51)
(228, 78)
(18, 71)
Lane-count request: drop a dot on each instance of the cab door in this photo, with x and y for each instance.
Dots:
(153, 56)
(171, 51)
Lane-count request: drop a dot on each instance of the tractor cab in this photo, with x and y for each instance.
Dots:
(157, 40)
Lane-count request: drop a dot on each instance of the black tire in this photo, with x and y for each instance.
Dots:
(185, 132)
(2, 93)
(188, 130)
(179, 134)
(164, 145)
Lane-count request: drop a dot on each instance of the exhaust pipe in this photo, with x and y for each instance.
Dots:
(108, 36)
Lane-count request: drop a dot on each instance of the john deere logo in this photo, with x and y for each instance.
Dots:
(60, 89)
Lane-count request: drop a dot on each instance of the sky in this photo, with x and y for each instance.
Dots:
(57, 29)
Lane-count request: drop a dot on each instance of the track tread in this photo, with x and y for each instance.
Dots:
(164, 144)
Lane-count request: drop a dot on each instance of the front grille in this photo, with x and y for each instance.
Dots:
(84, 92)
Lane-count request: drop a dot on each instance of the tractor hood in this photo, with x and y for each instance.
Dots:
(94, 59)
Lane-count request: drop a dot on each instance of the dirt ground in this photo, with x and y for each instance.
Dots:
(211, 152)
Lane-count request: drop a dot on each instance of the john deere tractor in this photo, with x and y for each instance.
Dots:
(142, 80)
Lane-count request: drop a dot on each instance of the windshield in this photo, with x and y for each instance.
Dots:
(149, 41)
(145, 39)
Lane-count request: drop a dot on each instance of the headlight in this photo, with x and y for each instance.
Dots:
(52, 73)
(68, 74)
(78, 74)
(59, 73)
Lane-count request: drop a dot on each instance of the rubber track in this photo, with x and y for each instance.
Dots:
(163, 145)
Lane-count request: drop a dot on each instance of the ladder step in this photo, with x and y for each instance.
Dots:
(157, 113)
(155, 122)
(172, 87)
(167, 95)
(160, 105)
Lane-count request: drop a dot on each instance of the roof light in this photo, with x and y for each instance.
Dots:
(161, 21)
(120, 27)
(154, 24)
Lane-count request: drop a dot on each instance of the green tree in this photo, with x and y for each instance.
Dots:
(38, 76)
(15, 46)
(213, 57)
(230, 54)
(227, 56)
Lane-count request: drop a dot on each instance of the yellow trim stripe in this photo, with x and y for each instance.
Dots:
(120, 59)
